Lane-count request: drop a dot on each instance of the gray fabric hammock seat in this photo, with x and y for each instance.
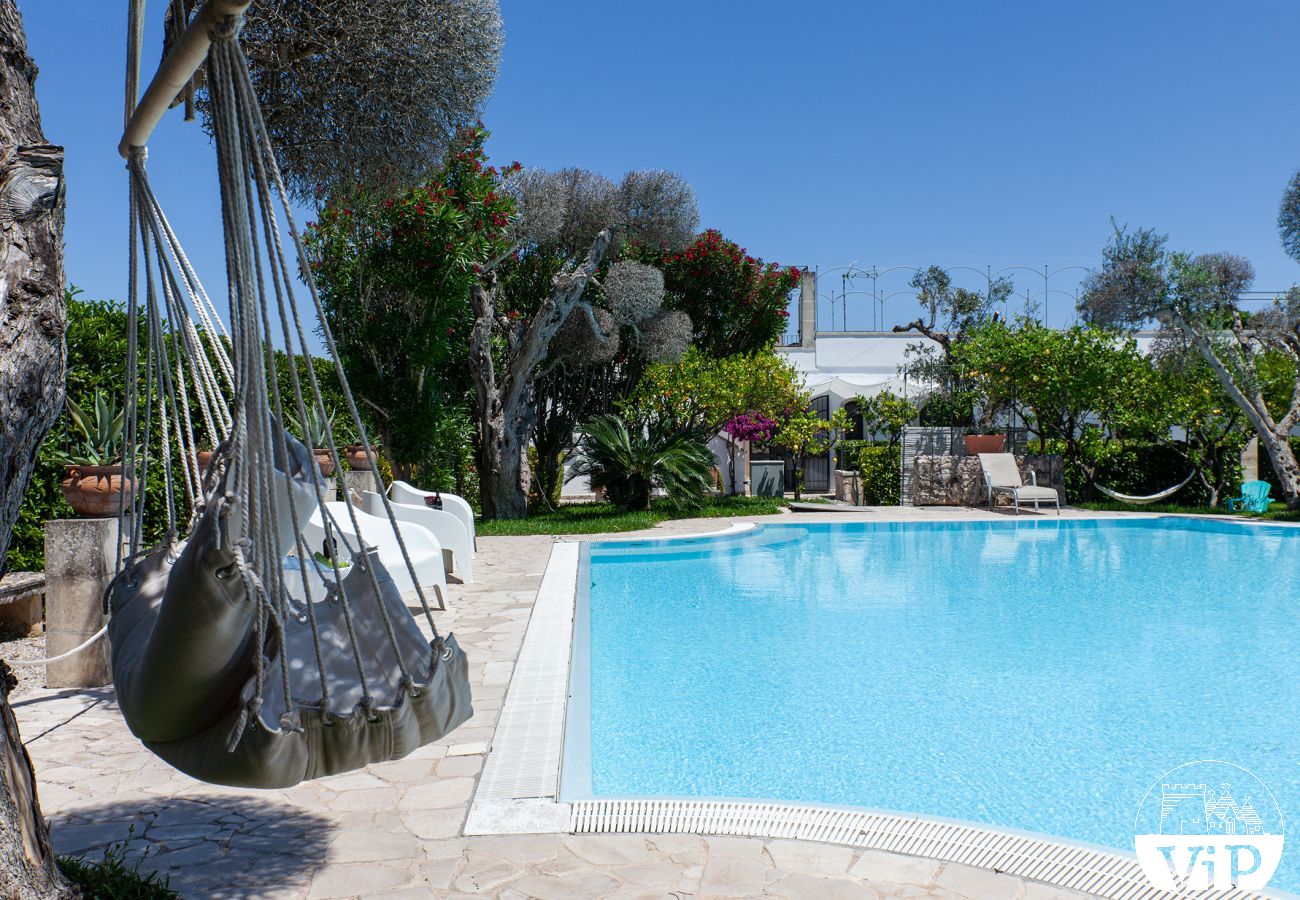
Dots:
(183, 638)
(228, 663)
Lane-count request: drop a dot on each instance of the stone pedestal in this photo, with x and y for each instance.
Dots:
(845, 485)
(79, 559)
(354, 483)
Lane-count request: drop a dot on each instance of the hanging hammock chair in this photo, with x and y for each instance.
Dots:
(237, 657)
(1149, 498)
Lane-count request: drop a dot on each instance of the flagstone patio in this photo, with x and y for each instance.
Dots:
(394, 830)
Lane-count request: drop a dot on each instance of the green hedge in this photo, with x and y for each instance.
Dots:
(96, 339)
(1139, 469)
(880, 468)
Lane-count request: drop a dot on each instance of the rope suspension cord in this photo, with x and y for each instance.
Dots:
(62, 656)
(221, 663)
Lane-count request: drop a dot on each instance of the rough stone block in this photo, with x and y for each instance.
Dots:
(957, 481)
(845, 486)
(21, 607)
(80, 555)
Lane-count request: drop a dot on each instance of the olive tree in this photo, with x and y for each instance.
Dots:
(1140, 280)
(363, 91)
(567, 225)
(33, 319)
(588, 370)
(949, 313)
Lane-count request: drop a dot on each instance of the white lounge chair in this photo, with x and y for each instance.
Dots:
(1002, 475)
(446, 526)
(423, 548)
(401, 492)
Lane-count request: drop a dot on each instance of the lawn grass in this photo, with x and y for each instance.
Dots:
(1277, 512)
(602, 518)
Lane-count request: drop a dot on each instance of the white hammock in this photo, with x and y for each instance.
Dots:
(1149, 498)
(227, 662)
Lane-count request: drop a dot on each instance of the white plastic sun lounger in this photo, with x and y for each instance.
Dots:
(401, 492)
(446, 526)
(423, 547)
(1002, 475)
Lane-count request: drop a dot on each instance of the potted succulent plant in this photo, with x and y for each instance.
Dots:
(93, 482)
(315, 432)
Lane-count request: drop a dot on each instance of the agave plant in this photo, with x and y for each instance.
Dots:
(316, 429)
(97, 432)
(629, 463)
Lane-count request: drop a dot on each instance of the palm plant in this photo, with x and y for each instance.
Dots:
(630, 463)
(98, 433)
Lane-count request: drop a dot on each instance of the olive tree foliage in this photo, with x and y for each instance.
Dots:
(1186, 394)
(1140, 280)
(950, 315)
(364, 91)
(568, 225)
(591, 367)
(1288, 218)
(950, 312)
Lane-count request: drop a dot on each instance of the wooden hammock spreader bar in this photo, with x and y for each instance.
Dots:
(176, 71)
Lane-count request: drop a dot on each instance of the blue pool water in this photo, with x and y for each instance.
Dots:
(1038, 675)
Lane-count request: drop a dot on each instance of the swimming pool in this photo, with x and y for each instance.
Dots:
(1036, 675)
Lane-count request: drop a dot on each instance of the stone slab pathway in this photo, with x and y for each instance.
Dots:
(394, 830)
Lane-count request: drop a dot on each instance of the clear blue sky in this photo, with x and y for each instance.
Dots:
(819, 134)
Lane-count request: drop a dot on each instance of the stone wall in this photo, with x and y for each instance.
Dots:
(956, 480)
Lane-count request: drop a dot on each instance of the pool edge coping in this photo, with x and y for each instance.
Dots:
(1046, 859)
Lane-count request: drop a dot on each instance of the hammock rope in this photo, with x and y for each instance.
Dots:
(252, 659)
(1148, 498)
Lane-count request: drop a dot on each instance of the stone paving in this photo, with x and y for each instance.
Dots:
(394, 830)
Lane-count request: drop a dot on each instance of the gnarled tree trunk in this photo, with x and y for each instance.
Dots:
(503, 399)
(33, 319)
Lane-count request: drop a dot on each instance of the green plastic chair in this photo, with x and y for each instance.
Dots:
(1254, 497)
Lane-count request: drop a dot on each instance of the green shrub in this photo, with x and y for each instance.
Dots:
(1138, 468)
(96, 339)
(847, 453)
(536, 502)
(880, 468)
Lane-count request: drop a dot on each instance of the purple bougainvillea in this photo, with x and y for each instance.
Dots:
(753, 427)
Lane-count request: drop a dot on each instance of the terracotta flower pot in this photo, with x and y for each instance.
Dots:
(357, 457)
(325, 461)
(203, 457)
(985, 443)
(97, 491)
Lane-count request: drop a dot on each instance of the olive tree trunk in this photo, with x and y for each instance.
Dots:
(1274, 433)
(33, 319)
(503, 382)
